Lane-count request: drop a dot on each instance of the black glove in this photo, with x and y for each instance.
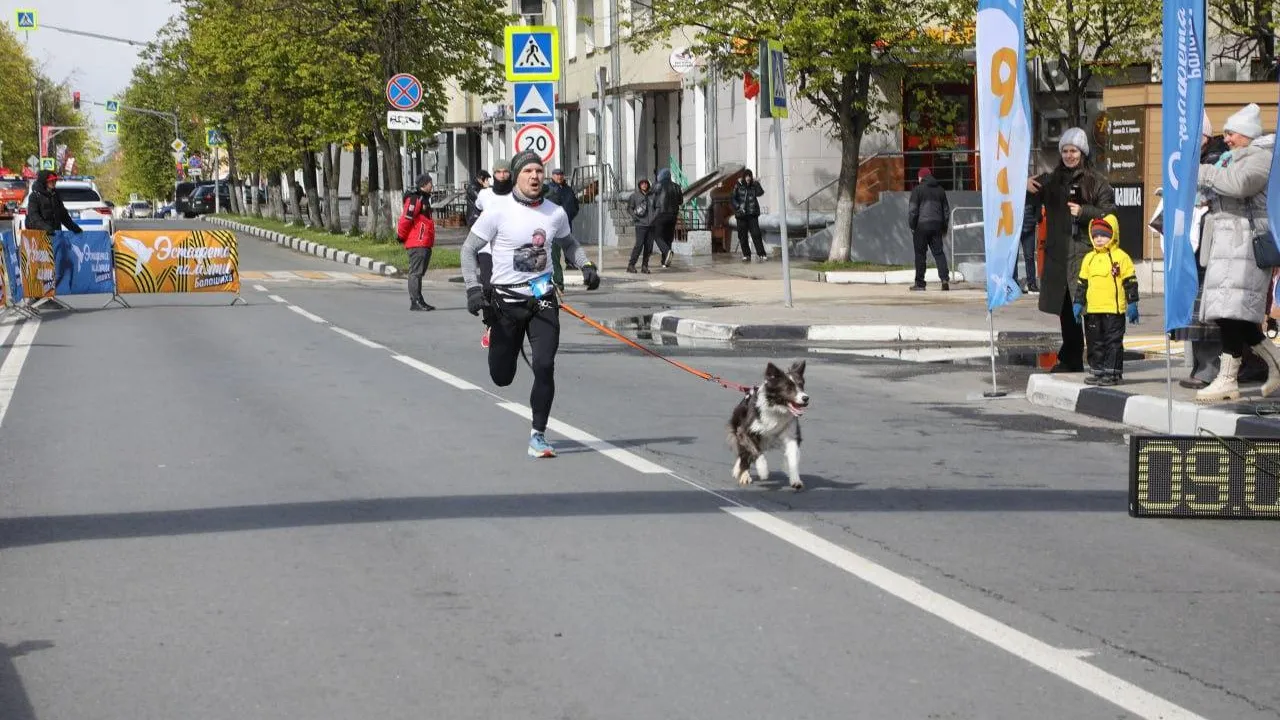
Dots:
(475, 300)
(590, 277)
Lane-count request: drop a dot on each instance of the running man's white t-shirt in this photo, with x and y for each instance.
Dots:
(520, 238)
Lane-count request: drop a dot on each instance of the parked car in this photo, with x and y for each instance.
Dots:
(13, 189)
(165, 210)
(83, 202)
(140, 209)
(201, 201)
(181, 198)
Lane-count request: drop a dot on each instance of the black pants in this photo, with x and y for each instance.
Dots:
(644, 243)
(1071, 354)
(929, 237)
(1239, 334)
(1029, 258)
(750, 224)
(1105, 332)
(664, 232)
(513, 322)
(419, 259)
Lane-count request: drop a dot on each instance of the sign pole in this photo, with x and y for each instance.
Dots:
(600, 196)
(782, 213)
(217, 202)
(404, 159)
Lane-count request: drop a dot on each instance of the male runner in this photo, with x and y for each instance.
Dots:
(518, 229)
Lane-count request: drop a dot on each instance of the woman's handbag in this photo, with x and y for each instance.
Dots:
(1265, 252)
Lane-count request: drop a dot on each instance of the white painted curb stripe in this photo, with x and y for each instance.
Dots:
(1052, 392)
(1065, 664)
(307, 315)
(436, 373)
(582, 437)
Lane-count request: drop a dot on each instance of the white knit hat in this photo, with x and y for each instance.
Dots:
(1075, 137)
(1206, 125)
(1246, 122)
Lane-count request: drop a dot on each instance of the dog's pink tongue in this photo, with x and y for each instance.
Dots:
(795, 409)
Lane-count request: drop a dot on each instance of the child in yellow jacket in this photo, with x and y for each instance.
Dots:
(1106, 293)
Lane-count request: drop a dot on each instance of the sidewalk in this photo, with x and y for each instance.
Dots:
(753, 309)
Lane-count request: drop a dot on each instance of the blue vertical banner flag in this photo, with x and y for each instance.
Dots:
(14, 280)
(1182, 105)
(1004, 141)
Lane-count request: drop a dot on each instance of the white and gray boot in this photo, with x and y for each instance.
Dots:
(1269, 354)
(1225, 386)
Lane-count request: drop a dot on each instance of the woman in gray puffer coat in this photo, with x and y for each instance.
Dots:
(1235, 288)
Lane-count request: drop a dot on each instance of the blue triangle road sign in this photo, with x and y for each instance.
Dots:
(535, 102)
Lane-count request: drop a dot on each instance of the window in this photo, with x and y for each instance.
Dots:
(78, 194)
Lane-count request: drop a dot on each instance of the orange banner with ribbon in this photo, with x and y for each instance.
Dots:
(36, 265)
(176, 261)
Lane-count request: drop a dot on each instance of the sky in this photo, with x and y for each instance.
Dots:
(99, 69)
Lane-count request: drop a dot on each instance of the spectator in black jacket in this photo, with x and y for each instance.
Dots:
(45, 210)
(561, 193)
(745, 202)
(667, 197)
(928, 218)
(480, 182)
(642, 216)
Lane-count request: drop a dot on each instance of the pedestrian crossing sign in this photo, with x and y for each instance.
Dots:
(113, 128)
(532, 53)
(26, 20)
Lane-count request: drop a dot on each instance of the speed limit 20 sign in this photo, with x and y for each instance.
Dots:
(537, 138)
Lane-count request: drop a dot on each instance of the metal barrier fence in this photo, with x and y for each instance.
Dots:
(972, 240)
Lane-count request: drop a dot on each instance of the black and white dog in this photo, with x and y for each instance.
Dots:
(768, 418)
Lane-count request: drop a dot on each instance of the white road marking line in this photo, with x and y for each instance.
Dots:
(307, 315)
(436, 373)
(358, 338)
(1066, 664)
(282, 275)
(13, 362)
(277, 298)
(582, 437)
(259, 288)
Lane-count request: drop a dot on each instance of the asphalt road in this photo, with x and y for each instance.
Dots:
(317, 505)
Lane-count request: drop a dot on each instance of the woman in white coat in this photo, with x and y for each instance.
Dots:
(1235, 288)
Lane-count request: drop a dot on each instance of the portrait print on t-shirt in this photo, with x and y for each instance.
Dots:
(532, 257)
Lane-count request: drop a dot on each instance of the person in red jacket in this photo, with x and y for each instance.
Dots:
(417, 230)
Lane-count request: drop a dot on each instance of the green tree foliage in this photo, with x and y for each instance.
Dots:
(1248, 32)
(19, 78)
(847, 60)
(1080, 40)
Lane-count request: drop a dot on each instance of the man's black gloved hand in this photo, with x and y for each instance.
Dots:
(475, 300)
(590, 277)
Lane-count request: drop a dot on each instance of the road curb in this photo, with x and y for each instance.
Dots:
(887, 277)
(1144, 411)
(672, 323)
(308, 247)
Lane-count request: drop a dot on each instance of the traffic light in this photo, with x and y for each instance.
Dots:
(75, 100)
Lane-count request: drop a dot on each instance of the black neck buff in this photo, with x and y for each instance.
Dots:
(520, 198)
(503, 187)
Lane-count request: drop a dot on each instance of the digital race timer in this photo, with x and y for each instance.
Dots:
(1204, 476)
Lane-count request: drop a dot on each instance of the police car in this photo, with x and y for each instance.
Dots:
(83, 201)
